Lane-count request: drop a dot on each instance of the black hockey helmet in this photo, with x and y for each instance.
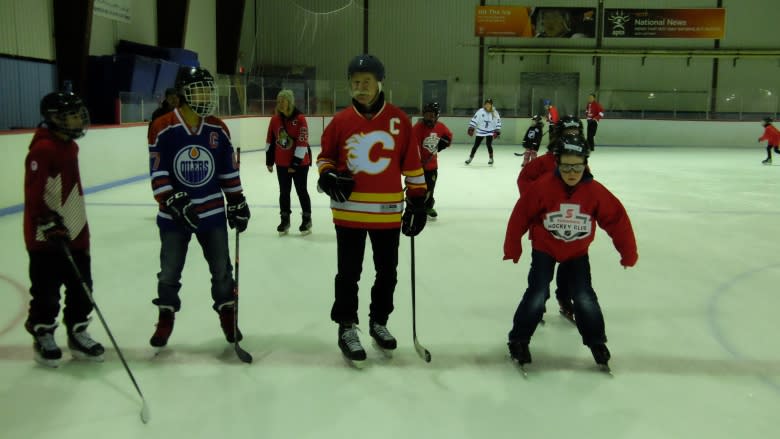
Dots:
(569, 122)
(536, 118)
(196, 86)
(64, 112)
(767, 121)
(431, 107)
(366, 63)
(571, 144)
(488, 101)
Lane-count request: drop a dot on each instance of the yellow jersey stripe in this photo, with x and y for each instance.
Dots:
(358, 217)
(373, 197)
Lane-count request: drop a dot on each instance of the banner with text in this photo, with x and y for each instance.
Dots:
(664, 23)
(528, 22)
(117, 10)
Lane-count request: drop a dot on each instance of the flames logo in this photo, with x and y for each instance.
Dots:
(359, 148)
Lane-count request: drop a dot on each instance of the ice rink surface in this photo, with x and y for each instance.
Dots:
(692, 328)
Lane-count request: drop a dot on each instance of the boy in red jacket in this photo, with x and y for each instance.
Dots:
(54, 216)
(772, 137)
(434, 137)
(561, 209)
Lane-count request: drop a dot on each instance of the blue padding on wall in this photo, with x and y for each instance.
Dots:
(22, 85)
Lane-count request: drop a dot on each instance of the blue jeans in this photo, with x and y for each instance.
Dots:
(173, 253)
(587, 312)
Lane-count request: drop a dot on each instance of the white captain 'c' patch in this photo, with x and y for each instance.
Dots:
(568, 224)
(33, 165)
(194, 166)
(359, 148)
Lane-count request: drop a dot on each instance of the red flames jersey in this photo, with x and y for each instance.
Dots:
(429, 142)
(52, 183)
(377, 152)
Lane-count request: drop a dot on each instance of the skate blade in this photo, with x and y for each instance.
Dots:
(51, 364)
(282, 233)
(81, 356)
(519, 366)
(606, 369)
(386, 353)
(306, 232)
(357, 364)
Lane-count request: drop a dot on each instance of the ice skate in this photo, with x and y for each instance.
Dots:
(490, 161)
(432, 214)
(349, 343)
(468, 160)
(227, 320)
(284, 225)
(164, 327)
(566, 309)
(81, 344)
(46, 351)
(305, 227)
(767, 161)
(383, 339)
(601, 355)
(520, 354)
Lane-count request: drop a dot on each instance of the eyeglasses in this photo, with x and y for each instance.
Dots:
(567, 167)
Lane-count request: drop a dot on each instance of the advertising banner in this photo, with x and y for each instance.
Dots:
(534, 22)
(664, 23)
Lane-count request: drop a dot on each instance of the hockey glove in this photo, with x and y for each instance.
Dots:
(182, 210)
(53, 229)
(444, 142)
(471, 131)
(337, 186)
(496, 134)
(415, 216)
(238, 213)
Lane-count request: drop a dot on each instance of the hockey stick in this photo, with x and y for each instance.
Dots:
(421, 351)
(88, 291)
(240, 352)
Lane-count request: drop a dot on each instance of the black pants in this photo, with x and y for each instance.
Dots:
(590, 320)
(50, 270)
(478, 141)
(552, 135)
(351, 246)
(286, 181)
(430, 181)
(769, 149)
(593, 126)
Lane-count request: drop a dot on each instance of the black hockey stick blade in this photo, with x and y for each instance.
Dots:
(145, 412)
(425, 354)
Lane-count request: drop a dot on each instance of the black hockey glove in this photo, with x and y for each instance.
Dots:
(238, 214)
(415, 216)
(337, 186)
(444, 142)
(181, 208)
(53, 229)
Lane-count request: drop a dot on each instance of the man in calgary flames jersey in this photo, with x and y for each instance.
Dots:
(434, 136)
(366, 149)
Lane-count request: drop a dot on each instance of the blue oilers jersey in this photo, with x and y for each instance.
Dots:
(199, 162)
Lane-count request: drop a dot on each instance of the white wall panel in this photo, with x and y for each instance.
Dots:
(26, 28)
(201, 34)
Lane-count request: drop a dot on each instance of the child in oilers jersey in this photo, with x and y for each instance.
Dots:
(55, 216)
(193, 171)
(772, 137)
(434, 137)
(561, 210)
(366, 150)
(486, 124)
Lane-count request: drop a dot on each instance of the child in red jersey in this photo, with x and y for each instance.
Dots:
(772, 137)
(54, 215)
(366, 149)
(434, 137)
(561, 210)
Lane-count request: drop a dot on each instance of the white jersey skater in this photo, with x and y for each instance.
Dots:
(486, 122)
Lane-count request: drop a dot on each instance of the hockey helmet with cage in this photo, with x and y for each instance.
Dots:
(536, 119)
(65, 113)
(571, 144)
(431, 107)
(368, 64)
(767, 121)
(196, 86)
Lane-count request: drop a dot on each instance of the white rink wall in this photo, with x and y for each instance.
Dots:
(109, 155)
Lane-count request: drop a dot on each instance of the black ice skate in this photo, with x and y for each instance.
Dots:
(47, 353)
(305, 227)
(164, 327)
(566, 309)
(284, 225)
(490, 161)
(349, 343)
(468, 160)
(81, 344)
(767, 161)
(432, 213)
(227, 319)
(519, 352)
(601, 355)
(383, 339)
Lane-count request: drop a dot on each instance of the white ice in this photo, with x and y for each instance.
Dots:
(692, 328)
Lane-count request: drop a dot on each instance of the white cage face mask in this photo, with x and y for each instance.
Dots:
(201, 97)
